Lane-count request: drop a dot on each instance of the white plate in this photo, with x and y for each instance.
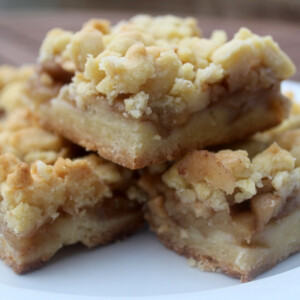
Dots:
(140, 267)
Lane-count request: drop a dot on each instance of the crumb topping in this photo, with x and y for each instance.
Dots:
(214, 182)
(10, 74)
(164, 27)
(23, 186)
(13, 83)
(32, 195)
(21, 136)
(154, 63)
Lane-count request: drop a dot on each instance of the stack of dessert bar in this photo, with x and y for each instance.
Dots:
(149, 118)
(53, 193)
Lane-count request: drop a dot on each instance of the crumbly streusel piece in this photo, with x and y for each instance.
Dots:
(49, 199)
(228, 212)
(167, 87)
(69, 51)
(13, 83)
(21, 136)
(10, 74)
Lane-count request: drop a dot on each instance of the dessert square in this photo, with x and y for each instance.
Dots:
(227, 212)
(149, 90)
(53, 194)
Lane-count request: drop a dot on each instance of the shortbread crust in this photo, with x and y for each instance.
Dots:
(168, 90)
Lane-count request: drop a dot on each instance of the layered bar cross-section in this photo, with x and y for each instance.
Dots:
(227, 212)
(149, 90)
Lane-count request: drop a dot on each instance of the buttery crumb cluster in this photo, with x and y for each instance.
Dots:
(13, 85)
(207, 182)
(21, 136)
(152, 65)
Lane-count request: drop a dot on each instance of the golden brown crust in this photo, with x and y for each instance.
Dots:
(121, 157)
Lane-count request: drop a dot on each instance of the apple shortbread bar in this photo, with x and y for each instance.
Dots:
(229, 213)
(149, 90)
(49, 198)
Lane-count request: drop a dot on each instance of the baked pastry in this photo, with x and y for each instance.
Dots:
(54, 194)
(149, 90)
(229, 213)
